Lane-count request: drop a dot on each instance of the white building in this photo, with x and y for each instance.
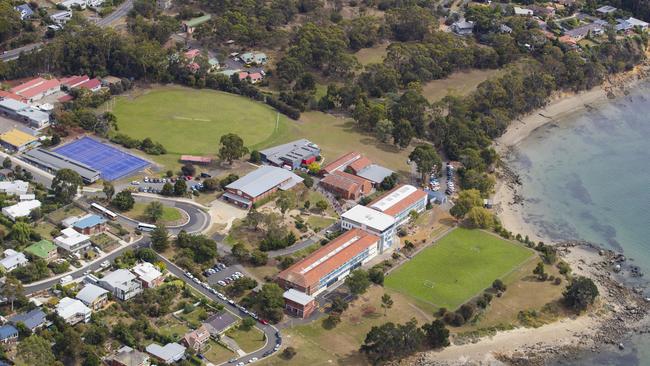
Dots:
(148, 274)
(72, 241)
(16, 187)
(523, 11)
(20, 209)
(13, 260)
(400, 202)
(61, 18)
(170, 353)
(122, 283)
(71, 4)
(73, 311)
(372, 221)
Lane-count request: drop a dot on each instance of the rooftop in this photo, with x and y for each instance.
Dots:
(341, 162)
(90, 293)
(70, 237)
(55, 161)
(264, 179)
(198, 21)
(12, 104)
(41, 249)
(344, 180)
(129, 356)
(8, 331)
(17, 138)
(169, 353)
(293, 150)
(329, 257)
(22, 208)
(375, 173)
(396, 200)
(218, 323)
(297, 297)
(68, 307)
(118, 277)
(12, 260)
(368, 217)
(146, 271)
(89, 221)
(35, 87)
(31, 319)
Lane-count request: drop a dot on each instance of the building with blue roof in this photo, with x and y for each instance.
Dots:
(33, 319)
(25, 11)
(8, 334)
(90, 224)
(438, 197)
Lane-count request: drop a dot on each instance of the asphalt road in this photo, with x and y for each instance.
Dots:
(120, 12)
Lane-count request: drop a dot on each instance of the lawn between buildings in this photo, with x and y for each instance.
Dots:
(171, 215)
(457, 267)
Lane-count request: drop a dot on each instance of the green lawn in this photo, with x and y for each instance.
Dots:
(171, 327)
(189, 121)
(249, 341)
(318, 222)
(170, 214)
(456, 268)
(217, 353)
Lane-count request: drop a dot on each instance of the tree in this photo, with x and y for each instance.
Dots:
(180, 187)
(258, 258)
(34, 350)
(154, 211)
(389, 182)
(160, 238)
(188, 170)
(403, 133)
(232, 147)
(12, 289)
(147, 255)
(255, 157)
(376, 275)
(240, 252)
(286, 201)
(270, 301)
(314, 168)
(426, 158)
(386, 302)
(123, 201)
(358, 281)
(391, 342)
(65, 185)
(21, 232)
(436, 334)
(339, 305)
(108, 190)
(498, 285)
(467, 311)
(211, 184)
(539, 271)
(247, 323)
(288, 353)
(167, 189)
(6, 163)
(580, 293)
(466, 200)
(322, 205)
(384, 130)
(480, 217)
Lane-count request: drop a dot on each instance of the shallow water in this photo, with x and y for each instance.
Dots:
(588, 177)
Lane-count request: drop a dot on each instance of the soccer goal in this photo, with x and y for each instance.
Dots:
(428, 283)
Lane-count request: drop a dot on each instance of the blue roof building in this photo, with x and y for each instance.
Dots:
(25, 11)
(438, 197)
(8, 333)
(89, 221)
(32, 319)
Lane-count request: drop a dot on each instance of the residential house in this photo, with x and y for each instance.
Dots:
(72, 241)
(630, 24)
(17, 140)
(20, 209)
(595, 28)
(122, 283)
(73, 311)
(197, 339)
(258, 58)
(346, 186)
(190, 25)
(73, 4)
(259, 184)
(164, 4)
(127, 356)
(14, 188)
(291, 155)
(170, 353)
(25, 11)
(298, 303)
(93, 296)
(43, 249)
(33, 319)
(90, 224)
(8, 334)
(12, 260)
(463, 27)
(62, 17)
(219, 323)
(148, 274)
(607, 9)
(523, 11)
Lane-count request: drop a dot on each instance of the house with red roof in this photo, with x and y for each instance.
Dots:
(93, 85)
(37, 88)
(74, 81)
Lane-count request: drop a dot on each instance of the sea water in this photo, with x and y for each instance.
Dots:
(587, 176)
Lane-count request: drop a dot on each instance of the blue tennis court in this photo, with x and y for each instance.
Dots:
(111, 162)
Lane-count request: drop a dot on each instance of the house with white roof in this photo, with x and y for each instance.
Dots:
(12, 260)
(20, 209)
(148, 274)
(400, 202)
(121, 283)
(523, 11)
(170, 353)
(15, 188)
(73, 311)
(371, 221)
(72, 241)
(93, 296)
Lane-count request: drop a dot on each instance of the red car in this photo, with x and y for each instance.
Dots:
(264, 321)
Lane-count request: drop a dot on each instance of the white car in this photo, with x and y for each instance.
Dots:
(105, 264)
(196, 280)
(221, 283)
(252, 360)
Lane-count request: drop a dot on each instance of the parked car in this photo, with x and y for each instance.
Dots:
(205, 175)
(221, 283)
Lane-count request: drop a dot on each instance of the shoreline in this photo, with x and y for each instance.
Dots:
(621, 310)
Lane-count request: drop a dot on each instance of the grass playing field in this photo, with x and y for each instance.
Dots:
(458, 267)
(189, 121)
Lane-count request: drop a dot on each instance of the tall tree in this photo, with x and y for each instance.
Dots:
(386, 302)
(108, 190)
(392, 342)
(12, 289)
(123, 201)
(436, 334)
(232, 147)
(426, 158)
(466, 200)
(154, 211)
(580, 293)
(65, 185)
(358, 281)
(20, 232)
(34, 350)
(160, 238)
(180, 187)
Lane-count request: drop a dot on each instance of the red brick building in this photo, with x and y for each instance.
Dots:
(298, 303)
(345, 185)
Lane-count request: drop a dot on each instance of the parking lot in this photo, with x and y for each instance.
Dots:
(223, 274)
(155, 185)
